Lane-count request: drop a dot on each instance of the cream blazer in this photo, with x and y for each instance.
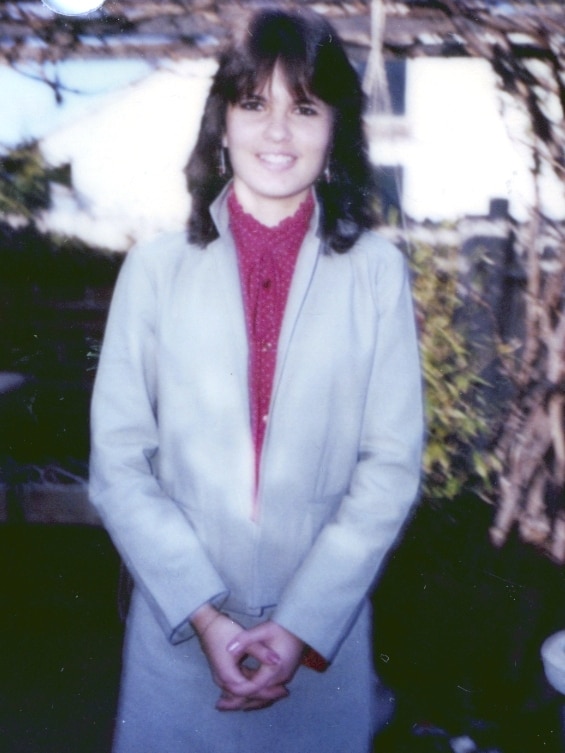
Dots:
(172, 465)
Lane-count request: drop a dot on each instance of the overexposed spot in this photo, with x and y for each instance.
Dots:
(73, 7)
(461, 154)
(462, 143)
(127, 158)
(31, 108)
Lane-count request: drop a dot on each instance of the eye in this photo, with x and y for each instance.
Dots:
(251, 104)
(306, 108)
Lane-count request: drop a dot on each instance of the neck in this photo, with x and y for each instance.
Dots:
(269, 212)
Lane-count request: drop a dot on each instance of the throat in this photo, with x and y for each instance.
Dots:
(270, 212)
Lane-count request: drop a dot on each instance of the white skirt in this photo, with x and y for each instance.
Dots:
(167, 699)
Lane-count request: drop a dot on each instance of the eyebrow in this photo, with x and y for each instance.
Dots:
(299, 100)
(253, 96)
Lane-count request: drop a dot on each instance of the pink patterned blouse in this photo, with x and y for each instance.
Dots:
(266, 257)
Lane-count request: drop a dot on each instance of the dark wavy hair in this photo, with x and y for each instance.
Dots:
(314, 63)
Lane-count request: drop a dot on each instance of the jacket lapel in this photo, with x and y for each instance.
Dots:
(301, 281)
(229, 287)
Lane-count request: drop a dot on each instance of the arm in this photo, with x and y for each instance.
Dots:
(322, 600)
(153, 536)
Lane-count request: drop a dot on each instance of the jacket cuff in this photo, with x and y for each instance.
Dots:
(184, 631)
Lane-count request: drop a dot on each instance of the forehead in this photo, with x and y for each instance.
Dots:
(260, 78)
(278, 85)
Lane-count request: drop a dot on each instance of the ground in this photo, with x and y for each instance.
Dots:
(457, 635)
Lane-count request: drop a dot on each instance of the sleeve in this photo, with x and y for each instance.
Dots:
(323, 598)
(150, 531)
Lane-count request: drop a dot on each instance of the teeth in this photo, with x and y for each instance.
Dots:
(276, 159)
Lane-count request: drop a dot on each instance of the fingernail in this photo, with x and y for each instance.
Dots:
(233, 646)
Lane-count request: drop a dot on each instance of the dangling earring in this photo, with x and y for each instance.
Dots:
(327, 173)
(222, 167)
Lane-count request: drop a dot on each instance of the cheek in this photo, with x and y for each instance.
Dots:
(234, 131)
(320, 147)
(321, 138)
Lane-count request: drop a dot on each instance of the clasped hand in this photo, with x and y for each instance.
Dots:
(275, 654)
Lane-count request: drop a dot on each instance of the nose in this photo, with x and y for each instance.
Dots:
(277, 127)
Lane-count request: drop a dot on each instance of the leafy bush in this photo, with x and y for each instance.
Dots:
(25, 181)
(457, 418)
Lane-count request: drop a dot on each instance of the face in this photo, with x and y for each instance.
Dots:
(278, 147)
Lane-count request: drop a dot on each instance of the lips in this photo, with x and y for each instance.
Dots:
(277, 160)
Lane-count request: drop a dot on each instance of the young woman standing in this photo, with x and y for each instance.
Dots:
(256, 420)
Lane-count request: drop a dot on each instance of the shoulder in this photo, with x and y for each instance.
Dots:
(161, 250)
(385, 267)
(381, 257)
(162, 256)
(378, 249)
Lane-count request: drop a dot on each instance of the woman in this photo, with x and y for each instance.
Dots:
(256, 420)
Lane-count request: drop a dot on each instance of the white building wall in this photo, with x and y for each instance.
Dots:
(460, 143)
(128, 148)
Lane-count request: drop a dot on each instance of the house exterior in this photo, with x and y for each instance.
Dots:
(451, 143)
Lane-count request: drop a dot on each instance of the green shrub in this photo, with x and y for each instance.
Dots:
(456, 457)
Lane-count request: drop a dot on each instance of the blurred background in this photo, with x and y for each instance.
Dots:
(465, 119)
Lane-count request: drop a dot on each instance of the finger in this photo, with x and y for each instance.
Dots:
(240, 644)
(229, 702)
(242, 704)
(271, 694)
(267, 697)
(255, 705)
(265, 676)
(259, 651)
(231, 678)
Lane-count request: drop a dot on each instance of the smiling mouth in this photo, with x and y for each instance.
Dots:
(277, 160)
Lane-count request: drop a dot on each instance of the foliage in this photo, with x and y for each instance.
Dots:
(525, 50)
(522, 40)
(25, 181)
(457, 418)
(54, 295)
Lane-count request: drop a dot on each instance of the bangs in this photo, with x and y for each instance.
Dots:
(277, 39)
(252, 79)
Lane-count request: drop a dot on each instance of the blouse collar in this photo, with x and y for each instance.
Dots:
(220, 213)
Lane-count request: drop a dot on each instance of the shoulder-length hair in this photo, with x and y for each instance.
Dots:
(314, 62)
